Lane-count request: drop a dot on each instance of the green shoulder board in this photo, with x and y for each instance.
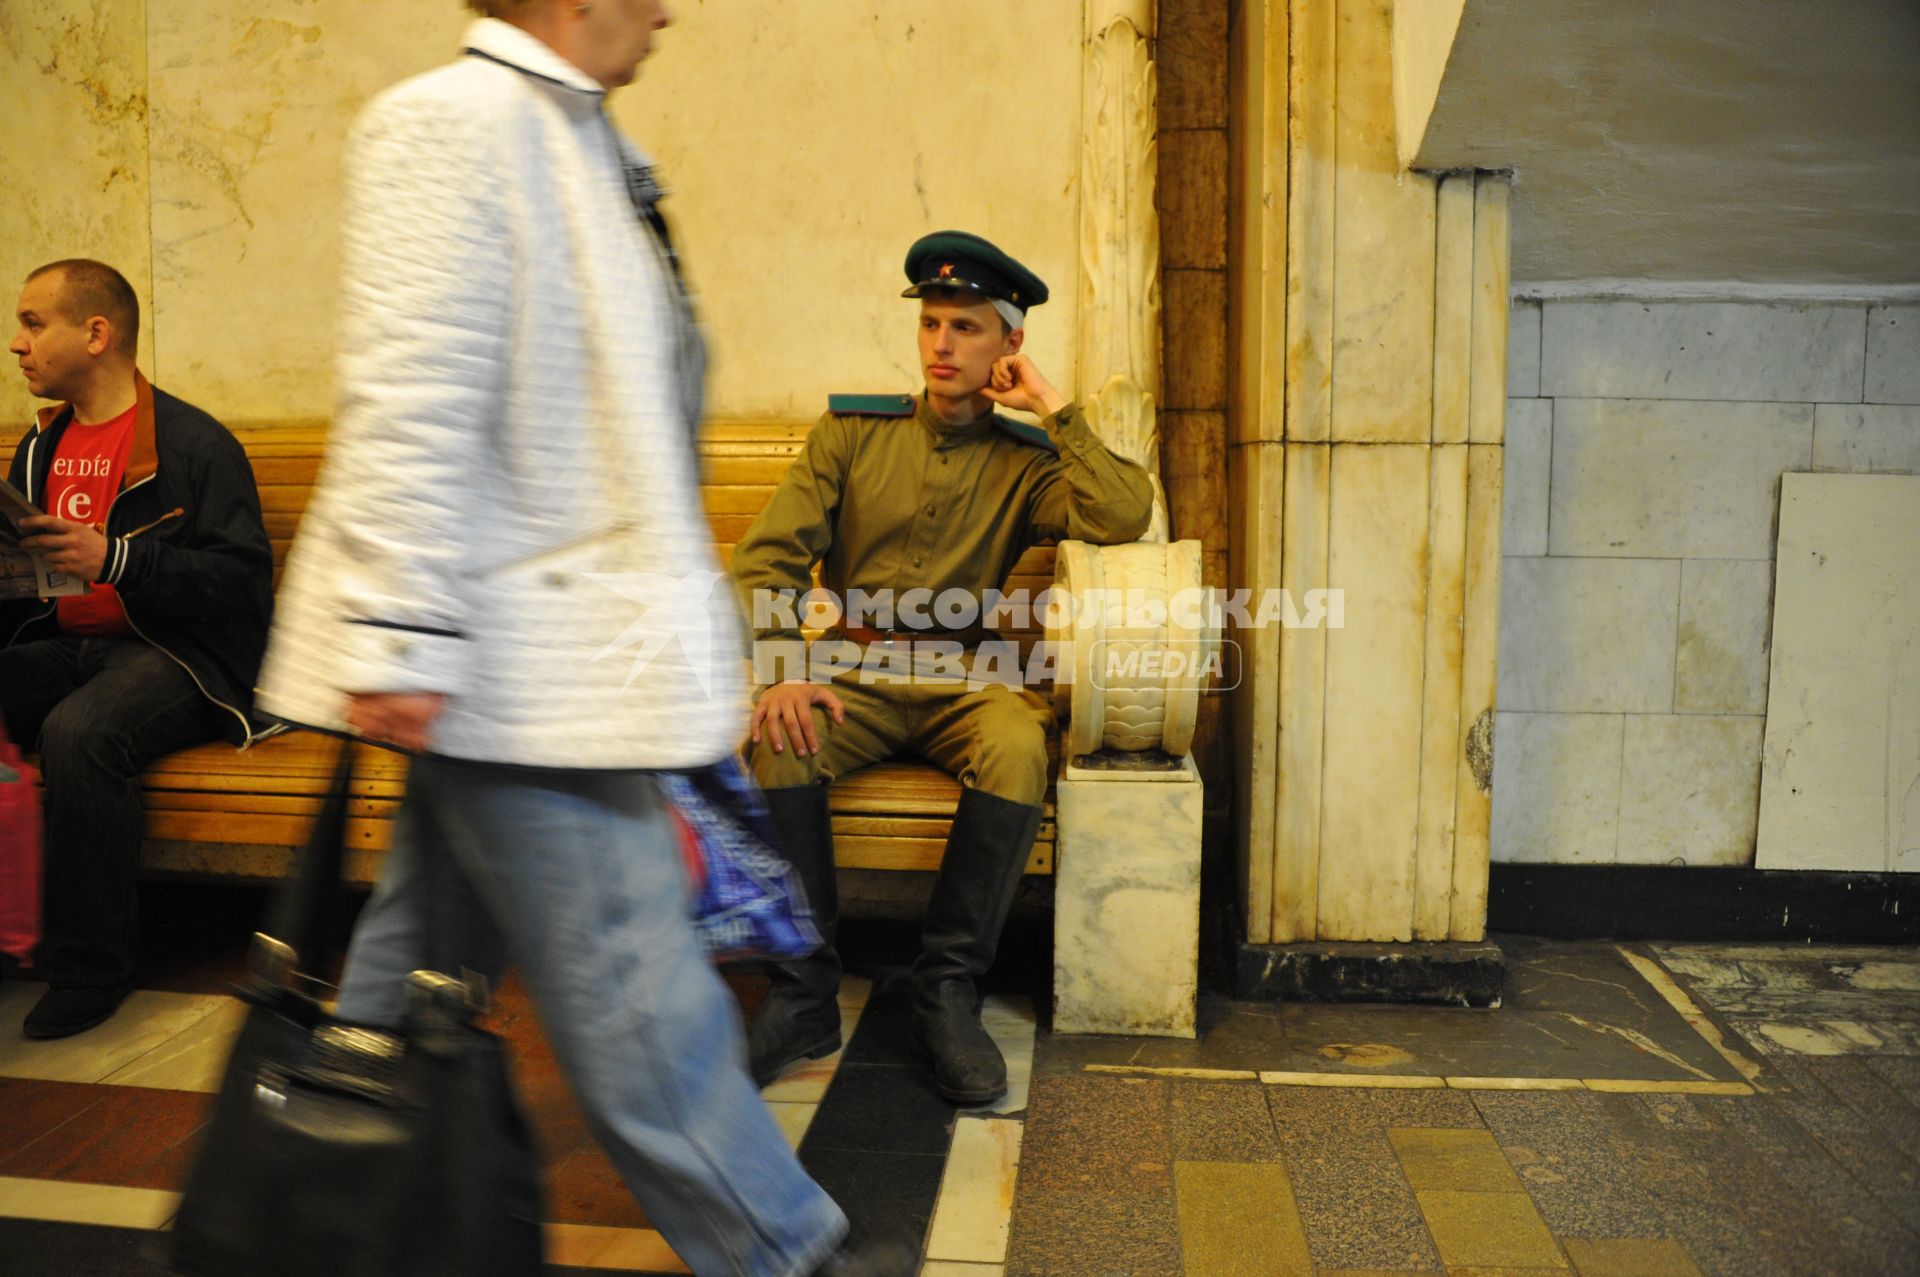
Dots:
(870, 405)
(1026, 433)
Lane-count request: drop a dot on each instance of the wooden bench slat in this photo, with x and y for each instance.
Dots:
(916, 853)
(214, 810)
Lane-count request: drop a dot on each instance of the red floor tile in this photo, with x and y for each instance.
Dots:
(130, 1137)
(30, 1109)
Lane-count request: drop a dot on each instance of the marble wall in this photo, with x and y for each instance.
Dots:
(806, 146)
(1645, 446)
(73, 159)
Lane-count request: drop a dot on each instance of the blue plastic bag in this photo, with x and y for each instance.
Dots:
(750, 902)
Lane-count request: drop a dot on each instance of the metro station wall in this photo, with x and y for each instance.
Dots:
(196, 145)
(1645, 444)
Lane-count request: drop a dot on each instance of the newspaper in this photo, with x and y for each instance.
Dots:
(24, 573)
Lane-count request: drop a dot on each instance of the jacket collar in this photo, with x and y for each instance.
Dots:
(143, 454)
(503, 42)
(941, 432)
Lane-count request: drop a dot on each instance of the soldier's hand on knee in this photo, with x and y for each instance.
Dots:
(785, 712)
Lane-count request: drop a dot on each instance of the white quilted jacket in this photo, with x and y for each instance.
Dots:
(509, 508)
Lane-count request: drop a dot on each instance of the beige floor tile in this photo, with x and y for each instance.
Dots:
(630, 1250)
(793, 1119)
(1202, 1075)
(1375, 1081)
(1517, 1083)
(1239, 1220)
(192, 1060)
(1467, 1160)
(145, 1022)
(1498, 1230)
(1011, 1023)
(1663, 1257)
(947, 1268)
(975, 1206)
(69, 1203)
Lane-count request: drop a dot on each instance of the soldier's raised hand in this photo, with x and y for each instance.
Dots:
(1018, 383)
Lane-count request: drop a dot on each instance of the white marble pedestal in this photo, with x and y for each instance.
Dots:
(1126, 914)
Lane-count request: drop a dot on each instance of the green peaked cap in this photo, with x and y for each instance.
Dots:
(966, 263)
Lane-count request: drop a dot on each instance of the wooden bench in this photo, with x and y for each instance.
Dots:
(216, 812)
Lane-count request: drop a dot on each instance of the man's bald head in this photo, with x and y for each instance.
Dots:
(88, 289)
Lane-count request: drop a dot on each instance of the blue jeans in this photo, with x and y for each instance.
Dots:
(98, 710)
(575, 877)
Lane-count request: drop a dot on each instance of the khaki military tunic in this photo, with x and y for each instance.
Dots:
(909, 502)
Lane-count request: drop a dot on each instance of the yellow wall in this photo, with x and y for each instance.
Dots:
(196, 144)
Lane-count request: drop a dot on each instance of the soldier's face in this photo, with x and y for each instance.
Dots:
(959, 340)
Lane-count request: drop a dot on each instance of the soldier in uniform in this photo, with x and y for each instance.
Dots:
(934, 492)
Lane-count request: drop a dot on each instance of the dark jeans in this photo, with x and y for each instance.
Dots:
(98, 711)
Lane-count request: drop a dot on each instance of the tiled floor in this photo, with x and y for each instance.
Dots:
(1630, 1112)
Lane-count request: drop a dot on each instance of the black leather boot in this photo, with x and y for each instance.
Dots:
(801, 1017)
(979, 874)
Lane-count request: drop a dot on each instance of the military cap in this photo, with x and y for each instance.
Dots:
(957, 260)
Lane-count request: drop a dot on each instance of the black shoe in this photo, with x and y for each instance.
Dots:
(968, 1068)
(870, 1259)
(979, 874)
(63, 1012)
(789, 1027)
(800, 1020)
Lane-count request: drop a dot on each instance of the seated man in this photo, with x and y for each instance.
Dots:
(934, 493)
(152, 501)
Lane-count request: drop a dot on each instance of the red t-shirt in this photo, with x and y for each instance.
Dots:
(86, 475)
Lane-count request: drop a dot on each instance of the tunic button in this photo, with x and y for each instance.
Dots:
(916, 560)
(929, 511)
(943, 461)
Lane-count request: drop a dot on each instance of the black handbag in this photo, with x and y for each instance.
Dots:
(336, 1148)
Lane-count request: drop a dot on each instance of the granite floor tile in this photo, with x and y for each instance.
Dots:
(1902, 1072)
(1222, 1122)
(1316, 1121)
(1489, 1230)
(1068, 1235)
(1856, 1143)
(1239, 1219)
(1873, 1098)
(1808, 1220)
(1096, 1132)
(1360, 1212)
(1678, 1112)
(1586, 1175)
(1652, 1257)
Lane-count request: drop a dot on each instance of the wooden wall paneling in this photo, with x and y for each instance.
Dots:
(1383, 251)
(1440, 692)
(1453, 297)
(1377, 553)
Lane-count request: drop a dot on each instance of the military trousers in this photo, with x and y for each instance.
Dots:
(990, 736)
